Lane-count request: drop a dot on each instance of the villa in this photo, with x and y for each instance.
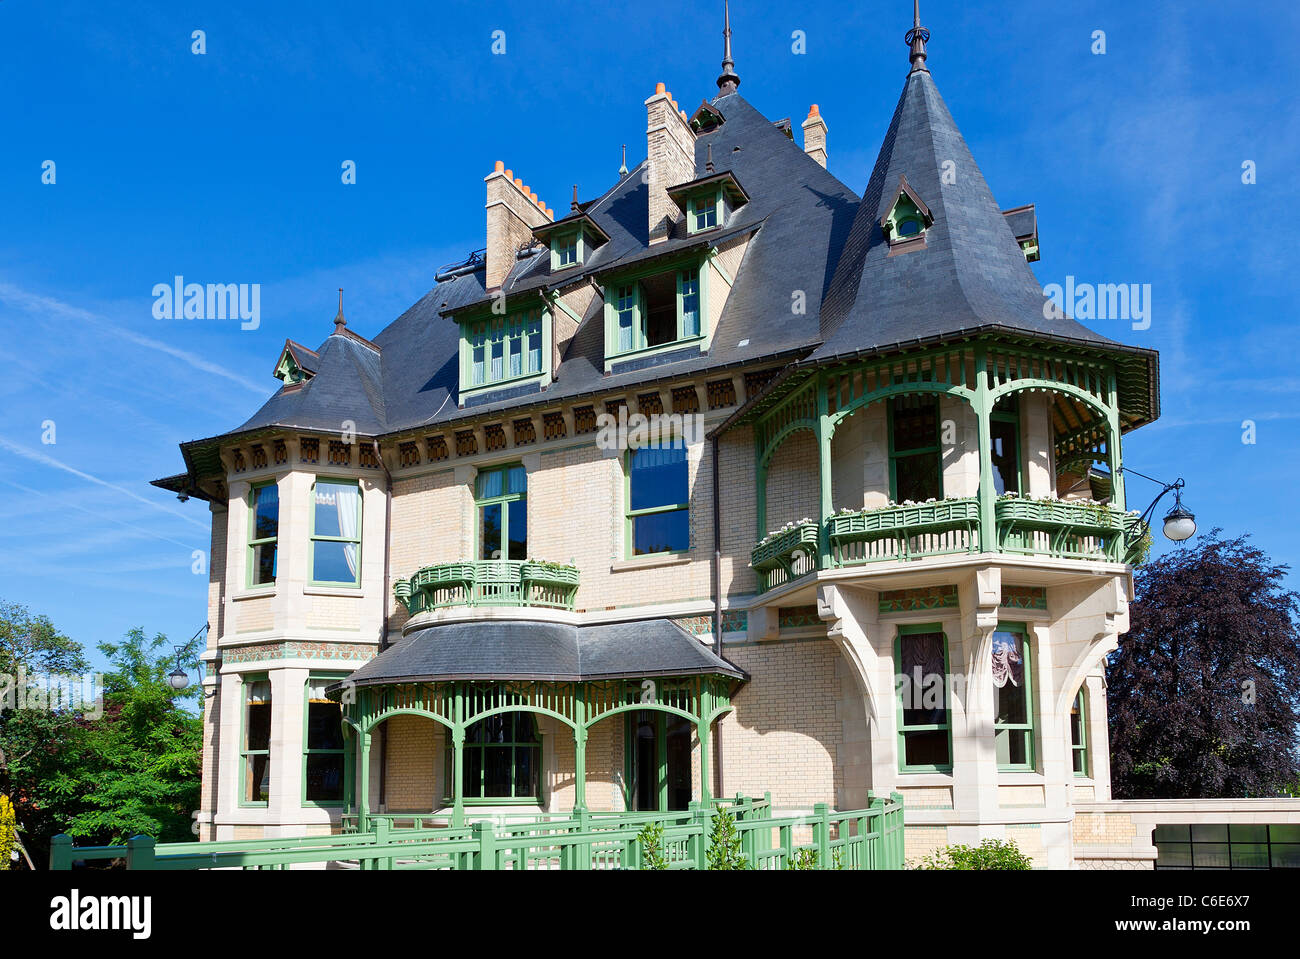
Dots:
(727, 479)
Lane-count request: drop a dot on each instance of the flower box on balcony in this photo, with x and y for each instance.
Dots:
(875, 523)
(444, 574)
(549, 574)
(1057, 514)
(772, 552)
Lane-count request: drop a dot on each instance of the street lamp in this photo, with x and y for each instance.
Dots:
(178, 678)
(1180, 522)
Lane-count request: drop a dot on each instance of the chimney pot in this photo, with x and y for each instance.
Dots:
(660, 88)
(499, 166)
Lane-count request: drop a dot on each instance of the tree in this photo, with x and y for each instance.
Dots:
(1204, 690)
(990, 854)
(138, 772)
(35, 743)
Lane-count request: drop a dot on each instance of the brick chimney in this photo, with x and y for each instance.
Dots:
(512, 213)
(670, 147)
(814, 135)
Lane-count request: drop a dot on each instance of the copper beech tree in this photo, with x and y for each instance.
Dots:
(1204, 690)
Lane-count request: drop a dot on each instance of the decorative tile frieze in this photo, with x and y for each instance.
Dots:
(913, 600)
(1024, 597)
(281, 452)
(368, 458)
(553, 426)
(584, 420)
(466, 443)
(408, 454)
(755, 382)
(686, 399)
(650, 404)
(733, 621)
(524, 430)
(435, 447)
(358, 652)
(798, 617)
(494, 437)
(340, 454)
(309, 450)
(257, 453)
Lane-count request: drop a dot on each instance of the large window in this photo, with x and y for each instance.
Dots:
(336, 533)
(655, 311)
(502, 498)
(1079, 733)
(1221, 846)
(924, 720)
(1013, 724)
(1005, 453)
(263, 532)
(658, 499)
(702, 213)
(255, 747)
(323, 746)
(503, 348)
(915, 464)
(502, 759)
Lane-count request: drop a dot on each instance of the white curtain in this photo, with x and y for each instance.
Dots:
(1008, 660)
(347, 500)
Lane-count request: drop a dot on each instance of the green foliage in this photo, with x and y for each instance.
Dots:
(803, 859)
(837, 859)
(651, 839)
(990, 854)
(724, 843)
(135, 769)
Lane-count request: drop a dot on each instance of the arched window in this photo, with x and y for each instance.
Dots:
(502, 759)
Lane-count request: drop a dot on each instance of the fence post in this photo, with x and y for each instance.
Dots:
(139, 852)
(900, 848)
(382, 838)
(822, 835)
(486, 835)
(61, 852)
(700, 817)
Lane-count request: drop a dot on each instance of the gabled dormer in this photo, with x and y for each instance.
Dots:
(906, 219)
(571, 240)
(1023, 221)
(709, 201)
(296, 364)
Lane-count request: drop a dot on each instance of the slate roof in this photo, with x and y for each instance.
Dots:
(809, 232)
(553, 652)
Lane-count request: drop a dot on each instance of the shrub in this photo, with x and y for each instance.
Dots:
(724, 844)
(990, 854)
(651, 839)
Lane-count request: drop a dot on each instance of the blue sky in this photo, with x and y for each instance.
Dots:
(225, 167)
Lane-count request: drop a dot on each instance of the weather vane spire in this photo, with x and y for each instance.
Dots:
(728, 81)
(339, 322)
(917, 38)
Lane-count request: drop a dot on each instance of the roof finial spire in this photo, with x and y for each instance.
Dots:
(622, 170)
(339, 321)
(917, 38)
(728, 81)
(573, 206)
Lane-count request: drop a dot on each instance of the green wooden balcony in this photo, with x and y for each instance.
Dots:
(1050, 528)
(1061, 529)
(904, 532)
(785, 555)
(491, 582)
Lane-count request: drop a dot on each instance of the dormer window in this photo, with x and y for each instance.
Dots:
(703, 212)
(296, 364)
(709, 202)
(565, 251)
(906, 220)
(655, 313)
(504, 350)
(571, 240)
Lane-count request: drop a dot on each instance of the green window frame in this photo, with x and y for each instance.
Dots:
(263, 534)
(629, 328)
(657, 499)
(905, 220)
(1013, 719)
(257, 714)
(704, 211)
(323, 764)
(915, 452)
(1004, 434)
(501, 760)
(501, 512)
(926, 728)
(566, 249)
(1079, 735)
(334, 551)
(503, 349)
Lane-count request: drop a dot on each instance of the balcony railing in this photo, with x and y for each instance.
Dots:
(1052, 528)
(491, 582)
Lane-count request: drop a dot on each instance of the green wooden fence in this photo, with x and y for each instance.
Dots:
(870, 838)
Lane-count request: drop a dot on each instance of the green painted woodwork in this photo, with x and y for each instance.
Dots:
(246, 755)
(787, 555)
(858, 839)
(905, 220)
(1061, 529)
(491, 582)
(1004, 732)
(705, 209)
(922, 629)
(626, 310)
(308, 751)
(630, 515)
(1079, 735)
(262, 539)
(488, 344)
